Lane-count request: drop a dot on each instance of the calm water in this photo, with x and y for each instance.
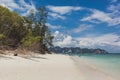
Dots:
(109, 63)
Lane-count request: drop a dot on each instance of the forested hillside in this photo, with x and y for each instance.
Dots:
(28, 32)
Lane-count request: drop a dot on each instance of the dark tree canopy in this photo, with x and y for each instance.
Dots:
(26, 31)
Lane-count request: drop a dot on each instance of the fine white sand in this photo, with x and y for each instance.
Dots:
(48, 67)
(41, 67)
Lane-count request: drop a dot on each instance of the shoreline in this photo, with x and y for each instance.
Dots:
(91, 71)
(48, 67)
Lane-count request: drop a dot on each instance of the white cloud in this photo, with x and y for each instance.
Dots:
(100, 40)
(63, 40)
(21, 5)
(66, 41)
(56, 33)
(102, 17)
(115, 21)
(95, 21)
(81, 28)
(56, 16)
(24, 4)
(99, 15)
(115, 10)
(63, 9)
(112, 18)
(9, 4)
(113, 1)
(113, 7)
(53, 26)
(110, 42)
(57, 12)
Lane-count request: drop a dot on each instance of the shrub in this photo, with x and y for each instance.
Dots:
(29, 39)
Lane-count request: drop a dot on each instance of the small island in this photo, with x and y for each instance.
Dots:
(78, 50)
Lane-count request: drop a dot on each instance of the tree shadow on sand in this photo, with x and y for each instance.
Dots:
(5, 57)
(34, 58)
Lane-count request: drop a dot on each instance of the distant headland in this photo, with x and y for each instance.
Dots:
(68, 50)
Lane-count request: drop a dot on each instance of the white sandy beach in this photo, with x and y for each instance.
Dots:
(47, 67)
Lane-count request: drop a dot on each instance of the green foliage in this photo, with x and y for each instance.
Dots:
(40, 28)
(18, 30)
(11, 26)
(1, 36)
(29, 39)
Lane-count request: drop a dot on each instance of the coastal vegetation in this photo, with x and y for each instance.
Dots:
(25, 32)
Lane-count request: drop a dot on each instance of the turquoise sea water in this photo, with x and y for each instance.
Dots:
(108, 63)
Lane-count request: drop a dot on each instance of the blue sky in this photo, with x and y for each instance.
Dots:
(78, 23)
